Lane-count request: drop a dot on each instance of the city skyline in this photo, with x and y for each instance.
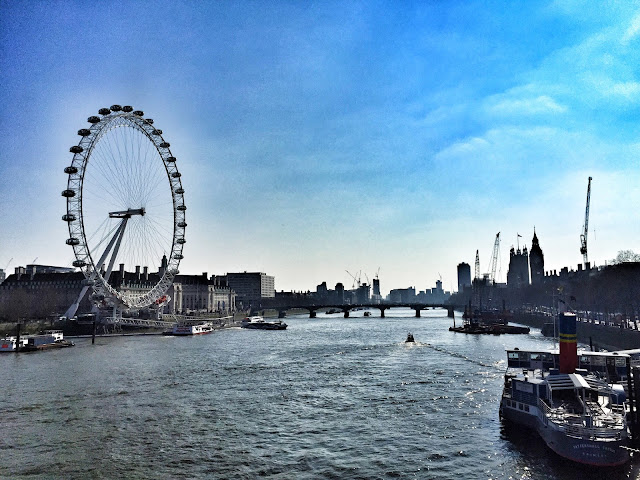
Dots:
(319, 138)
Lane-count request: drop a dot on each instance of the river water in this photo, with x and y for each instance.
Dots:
(327, 398)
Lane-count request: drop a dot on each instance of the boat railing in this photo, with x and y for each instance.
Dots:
(561, 421)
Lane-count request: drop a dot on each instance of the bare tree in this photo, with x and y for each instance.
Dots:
(625, 256)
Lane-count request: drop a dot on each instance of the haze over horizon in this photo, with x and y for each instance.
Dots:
(315, 138)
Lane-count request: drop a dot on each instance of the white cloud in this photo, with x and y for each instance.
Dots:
(542, 104)
(633, 31)
(626, 89)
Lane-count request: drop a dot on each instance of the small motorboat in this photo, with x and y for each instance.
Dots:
(410, 338)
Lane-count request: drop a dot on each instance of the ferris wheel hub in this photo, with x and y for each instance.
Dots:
(127, 213)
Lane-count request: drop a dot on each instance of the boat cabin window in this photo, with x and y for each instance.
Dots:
(536, 357)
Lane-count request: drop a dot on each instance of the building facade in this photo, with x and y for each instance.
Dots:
(518, 274)
(199, 294)
(251, 287)
(40, 291)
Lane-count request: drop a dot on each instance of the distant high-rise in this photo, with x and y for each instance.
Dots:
(536, 261)
(464, 276)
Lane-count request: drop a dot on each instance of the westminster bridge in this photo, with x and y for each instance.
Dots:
(283, 305)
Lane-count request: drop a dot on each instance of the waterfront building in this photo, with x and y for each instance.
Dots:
(251, 287)
(362, 293)
(321, 290)
(435, 295)
(536, 261)
(402, 295)
(464, 276)
(518, 274)
(40, 291)
(199, 294)
(3, 275)
(28, 294)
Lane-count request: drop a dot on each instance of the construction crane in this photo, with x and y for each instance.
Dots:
(8, 263)
(494, 259)
(477, 272)
(585, 229)
(355, 280)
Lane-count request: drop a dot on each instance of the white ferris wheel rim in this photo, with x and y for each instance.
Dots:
(108, 120)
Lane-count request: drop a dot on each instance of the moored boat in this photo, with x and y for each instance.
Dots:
(578, 415)
(258, 323)
(10, 344)
(49, 339)
(190, 328)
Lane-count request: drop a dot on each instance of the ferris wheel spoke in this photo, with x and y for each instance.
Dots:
(108, 174)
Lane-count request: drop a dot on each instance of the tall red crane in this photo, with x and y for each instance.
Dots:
(585, 229)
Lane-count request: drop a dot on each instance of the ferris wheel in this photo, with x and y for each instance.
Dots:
(125, 209)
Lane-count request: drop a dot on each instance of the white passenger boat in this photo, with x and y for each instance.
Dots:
(191, 328)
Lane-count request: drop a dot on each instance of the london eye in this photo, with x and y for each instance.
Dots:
(125, 209)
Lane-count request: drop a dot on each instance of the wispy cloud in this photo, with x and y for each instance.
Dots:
(543, 104)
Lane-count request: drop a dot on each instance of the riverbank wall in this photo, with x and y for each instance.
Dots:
(601, 336)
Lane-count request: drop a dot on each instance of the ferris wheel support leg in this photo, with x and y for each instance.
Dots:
(71, 311)
(119, 234)
(100, 263)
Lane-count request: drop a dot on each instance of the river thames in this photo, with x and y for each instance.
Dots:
(327, 398)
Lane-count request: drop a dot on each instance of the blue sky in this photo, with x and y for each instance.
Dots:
(319, 137)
